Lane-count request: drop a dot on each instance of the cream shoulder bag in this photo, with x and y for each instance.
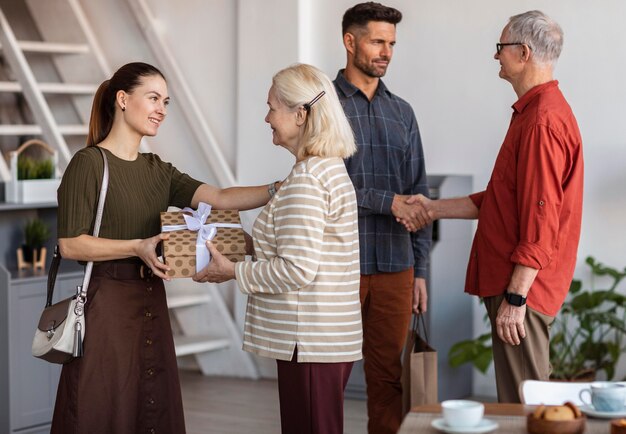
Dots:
(61, 329)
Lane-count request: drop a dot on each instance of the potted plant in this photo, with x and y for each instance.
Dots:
(588, 335)
(36, 233)
(34, 178)
(29, 168)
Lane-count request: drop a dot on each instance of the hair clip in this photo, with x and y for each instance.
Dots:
(308, 105)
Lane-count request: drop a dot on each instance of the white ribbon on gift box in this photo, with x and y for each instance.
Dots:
(196, 222)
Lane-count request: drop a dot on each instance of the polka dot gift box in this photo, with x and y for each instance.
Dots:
(179, 251)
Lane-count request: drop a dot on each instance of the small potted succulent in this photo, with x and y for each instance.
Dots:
(36, 233)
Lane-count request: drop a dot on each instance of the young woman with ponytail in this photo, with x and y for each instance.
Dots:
(127, 380)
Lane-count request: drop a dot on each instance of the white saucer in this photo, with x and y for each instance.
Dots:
(484, 426)
(590, 411)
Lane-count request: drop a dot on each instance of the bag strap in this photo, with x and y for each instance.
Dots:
(416, 328)
(56, 258)
(52, 274)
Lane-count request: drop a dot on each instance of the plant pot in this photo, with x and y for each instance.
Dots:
(29, 257)
(27, 253)
(32, 190)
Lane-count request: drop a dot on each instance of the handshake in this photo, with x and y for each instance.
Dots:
(413, 212)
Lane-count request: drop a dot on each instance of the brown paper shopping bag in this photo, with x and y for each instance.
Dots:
(419, 370)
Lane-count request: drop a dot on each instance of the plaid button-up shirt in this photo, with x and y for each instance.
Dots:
(389, 160)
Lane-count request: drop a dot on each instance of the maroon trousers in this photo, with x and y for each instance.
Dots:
(311, 396)
(386, 301)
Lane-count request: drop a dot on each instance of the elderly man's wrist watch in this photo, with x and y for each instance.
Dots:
(515, 299)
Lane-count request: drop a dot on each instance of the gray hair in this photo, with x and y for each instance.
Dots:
(540, 32)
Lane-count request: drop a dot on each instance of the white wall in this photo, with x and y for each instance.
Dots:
(443, 65)
(201, 34)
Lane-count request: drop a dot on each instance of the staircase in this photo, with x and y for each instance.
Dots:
(205, 335)
(56, 64)
(42, 59)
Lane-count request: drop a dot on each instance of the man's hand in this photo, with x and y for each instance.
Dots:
(510, 323)
(219, 270)
(412, 215)
(425, 207)
(420, 295)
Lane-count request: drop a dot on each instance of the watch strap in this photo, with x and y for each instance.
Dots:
(515, 299)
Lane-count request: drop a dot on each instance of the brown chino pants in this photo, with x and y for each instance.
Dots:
(530, 360)
(386, 300)
(311, 396)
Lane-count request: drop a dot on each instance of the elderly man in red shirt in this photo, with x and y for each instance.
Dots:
(529, 217)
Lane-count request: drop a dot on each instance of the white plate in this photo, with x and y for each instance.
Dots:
(590, 411)
(484, 426)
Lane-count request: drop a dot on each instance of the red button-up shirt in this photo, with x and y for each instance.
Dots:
(530, 213)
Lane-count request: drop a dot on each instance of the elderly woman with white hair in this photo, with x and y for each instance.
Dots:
(303, 305)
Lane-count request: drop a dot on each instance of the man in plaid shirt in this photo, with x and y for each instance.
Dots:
(387, 169)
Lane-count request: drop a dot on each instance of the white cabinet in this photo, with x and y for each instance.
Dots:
(27, 385)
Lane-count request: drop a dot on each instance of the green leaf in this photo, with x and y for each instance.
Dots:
(557, 338)
(474, 351)
(483, 360)
(582, 301)
(575, 286)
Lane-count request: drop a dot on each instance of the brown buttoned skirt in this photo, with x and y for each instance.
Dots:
(127, 380)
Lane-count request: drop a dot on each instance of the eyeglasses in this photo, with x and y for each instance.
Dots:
(499, 45)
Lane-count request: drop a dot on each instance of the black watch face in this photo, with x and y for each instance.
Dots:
(515, 299)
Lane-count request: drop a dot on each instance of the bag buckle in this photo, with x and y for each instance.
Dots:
(50, 331)
(80, 301)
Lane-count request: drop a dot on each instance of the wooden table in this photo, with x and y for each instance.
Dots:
(491, 408)
(511, 419)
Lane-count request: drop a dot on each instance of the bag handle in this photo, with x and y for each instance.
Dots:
(56, 258)
(37, 142)
(416, 321)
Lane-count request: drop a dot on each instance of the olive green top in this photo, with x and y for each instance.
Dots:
(138, 191)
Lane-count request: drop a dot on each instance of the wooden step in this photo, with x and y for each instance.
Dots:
(186, 345)
(187, 297)
(52, 88)
(33, 130)
(44, 47)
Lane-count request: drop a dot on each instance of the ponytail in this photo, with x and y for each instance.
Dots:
(127, 78)
(102, 112)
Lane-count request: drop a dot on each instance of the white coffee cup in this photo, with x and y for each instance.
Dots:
(461, 413)
(605, 396)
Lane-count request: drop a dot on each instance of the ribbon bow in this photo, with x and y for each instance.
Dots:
(196, 222)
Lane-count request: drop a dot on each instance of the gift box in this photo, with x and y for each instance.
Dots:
(185, 247)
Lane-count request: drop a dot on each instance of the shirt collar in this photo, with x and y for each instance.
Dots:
(521, 103)
(348, 89)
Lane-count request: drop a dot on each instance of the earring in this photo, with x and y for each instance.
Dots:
(123, 109)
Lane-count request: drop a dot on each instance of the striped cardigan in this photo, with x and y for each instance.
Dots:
(304, 287)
